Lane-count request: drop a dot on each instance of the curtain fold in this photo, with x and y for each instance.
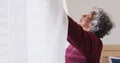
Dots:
(17, 30)
(33, 31)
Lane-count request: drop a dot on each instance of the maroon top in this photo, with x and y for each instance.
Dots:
(85, 46)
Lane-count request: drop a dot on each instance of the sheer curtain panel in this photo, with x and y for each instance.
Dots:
(32, 31)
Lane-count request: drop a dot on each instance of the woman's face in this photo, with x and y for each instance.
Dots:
(86, 20)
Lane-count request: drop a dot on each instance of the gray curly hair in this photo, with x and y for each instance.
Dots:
(101, 24)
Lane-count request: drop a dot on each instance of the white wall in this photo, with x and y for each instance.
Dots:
(78, 7)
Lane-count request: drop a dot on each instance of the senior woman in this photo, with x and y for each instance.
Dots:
(84, 38)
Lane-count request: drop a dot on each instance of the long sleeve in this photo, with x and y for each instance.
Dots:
(80, 39)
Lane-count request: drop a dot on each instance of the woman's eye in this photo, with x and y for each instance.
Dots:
(84, 15)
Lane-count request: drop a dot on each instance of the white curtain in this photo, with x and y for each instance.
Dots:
(32, 31)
